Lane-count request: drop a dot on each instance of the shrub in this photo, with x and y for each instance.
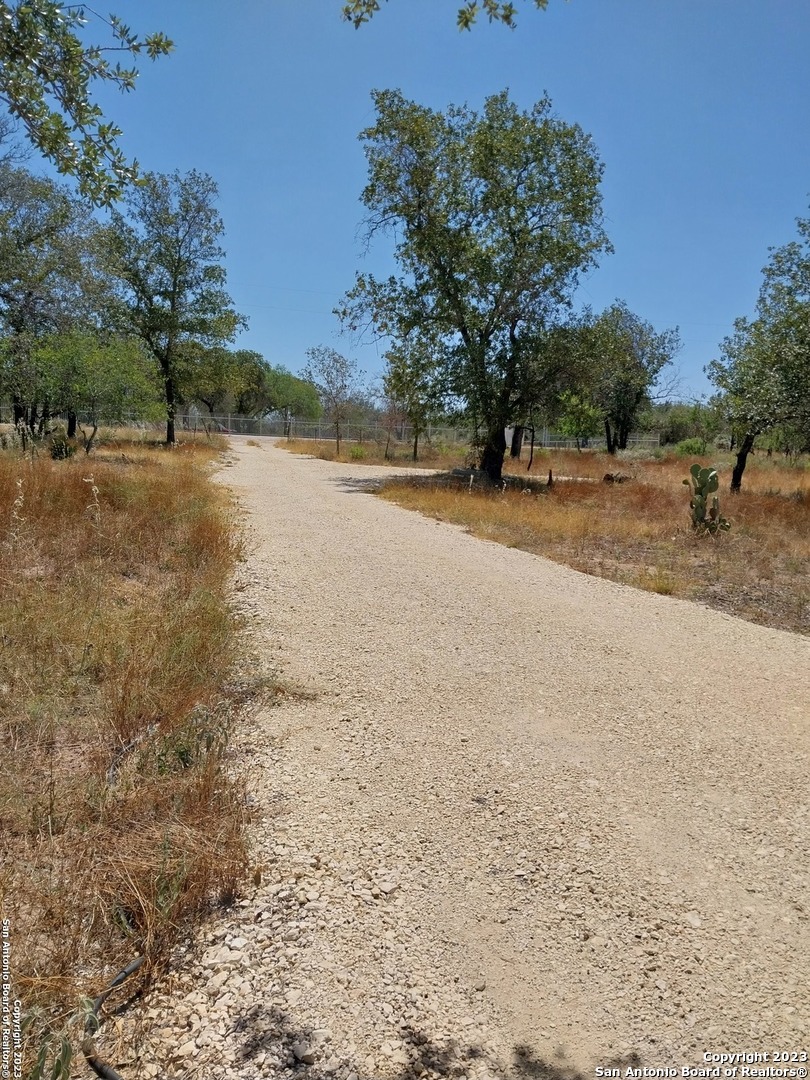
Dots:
(690, 447)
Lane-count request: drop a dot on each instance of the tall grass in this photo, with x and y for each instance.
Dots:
(118, 823)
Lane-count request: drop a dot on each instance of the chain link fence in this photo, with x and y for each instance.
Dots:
(323, 431)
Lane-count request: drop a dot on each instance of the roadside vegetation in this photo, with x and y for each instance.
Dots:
(371, 452)
(119, 824)
(637, 531)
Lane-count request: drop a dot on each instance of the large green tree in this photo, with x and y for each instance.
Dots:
(764, 368)
(224, 380)
(166, 258)
(496, 215)
(95, 378)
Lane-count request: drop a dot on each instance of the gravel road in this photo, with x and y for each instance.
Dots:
(530, 823)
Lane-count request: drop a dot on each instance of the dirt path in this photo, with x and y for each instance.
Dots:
(533, 821)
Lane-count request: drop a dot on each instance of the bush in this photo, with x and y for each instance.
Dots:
(357, 453)
(690, 447)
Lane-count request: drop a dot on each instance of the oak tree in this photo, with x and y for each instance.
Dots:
(629, 355)
(496, 215)
(49, 280)
(291, 397)
(166, 259)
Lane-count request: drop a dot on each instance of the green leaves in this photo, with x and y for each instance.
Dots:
(167, 261)
(764, 367)
(358, 12)
(47, 74)
(627, 357)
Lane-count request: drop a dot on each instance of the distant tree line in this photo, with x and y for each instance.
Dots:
(126, 319)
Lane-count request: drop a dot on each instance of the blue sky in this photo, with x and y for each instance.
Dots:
(699, 109)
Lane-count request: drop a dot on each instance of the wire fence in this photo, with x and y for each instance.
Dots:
(322, 431)
(319, 430)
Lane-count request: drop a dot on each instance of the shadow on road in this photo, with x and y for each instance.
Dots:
(272, 1030)
(359, 485)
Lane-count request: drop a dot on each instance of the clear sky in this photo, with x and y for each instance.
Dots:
(699, 109)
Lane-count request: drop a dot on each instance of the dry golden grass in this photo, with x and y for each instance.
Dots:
(373, 453)
(118, 824)
(639, 532)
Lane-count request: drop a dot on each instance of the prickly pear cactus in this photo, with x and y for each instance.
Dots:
(706, 515)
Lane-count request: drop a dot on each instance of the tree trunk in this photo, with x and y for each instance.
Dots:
(517, 441)
(88, 443)
(71, 425)
(19, 411)
(622, 435)
(493, 455)
(609, 439)
(416, 444)
(746, 446)
(168, 384)
(337, 437)
(531, 451)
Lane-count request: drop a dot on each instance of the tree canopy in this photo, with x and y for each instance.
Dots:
(49, 282)
(168, 264)
(763, 371)
(629, 355)
(337, 381)
(496, 216)
(47, 75)
(49, 72)
(358, 12)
